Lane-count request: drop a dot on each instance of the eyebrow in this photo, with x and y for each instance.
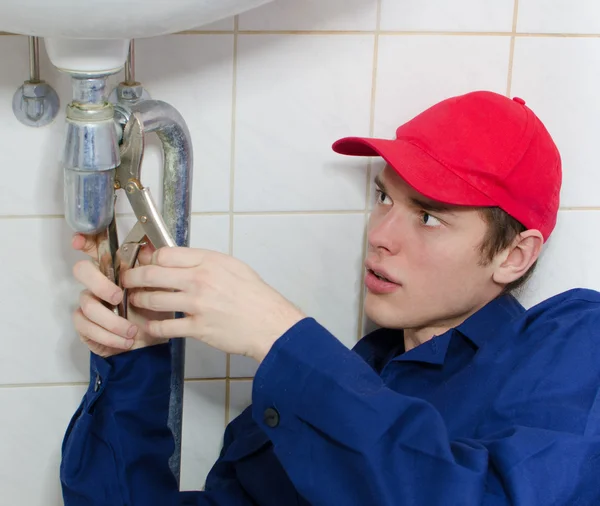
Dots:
(430, 205)
(425, 204)
(380, 184)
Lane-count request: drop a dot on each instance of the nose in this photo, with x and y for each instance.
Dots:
(385, 231)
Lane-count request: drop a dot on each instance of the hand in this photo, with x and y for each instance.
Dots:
(226, 304)
(105, 333)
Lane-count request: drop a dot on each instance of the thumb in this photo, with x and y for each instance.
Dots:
(145, 254)
(86, 244)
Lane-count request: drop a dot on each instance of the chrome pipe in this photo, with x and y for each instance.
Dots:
(170, 127)
(130, 64)
(90, 90)
(34, 59)
(90, 156)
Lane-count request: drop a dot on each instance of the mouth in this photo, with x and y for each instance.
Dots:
(379, 276)
(376, 282)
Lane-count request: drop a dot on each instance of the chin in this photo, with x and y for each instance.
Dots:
(386, 313)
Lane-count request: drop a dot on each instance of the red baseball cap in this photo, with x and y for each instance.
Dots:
(479, 149)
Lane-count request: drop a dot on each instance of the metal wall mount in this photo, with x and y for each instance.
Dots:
(35, 103)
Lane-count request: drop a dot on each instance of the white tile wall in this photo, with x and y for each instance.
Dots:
(295, 96)
(202, 433)
(440, 15)
(559, 16)
(39, 295)
(266, 110)
(33, 421)
(240, 397)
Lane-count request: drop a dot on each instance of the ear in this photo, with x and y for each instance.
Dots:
(515, 261)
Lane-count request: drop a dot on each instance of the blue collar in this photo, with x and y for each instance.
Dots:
(384, 345)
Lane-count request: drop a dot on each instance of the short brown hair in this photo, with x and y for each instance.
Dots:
(502, 231)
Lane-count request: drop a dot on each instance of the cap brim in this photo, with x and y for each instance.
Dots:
(420, 170)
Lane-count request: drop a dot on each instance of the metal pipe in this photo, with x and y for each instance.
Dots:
(90, 90)
(130, 64)
(169, 125)
(171, 129)
(34, 59)
(90, 156)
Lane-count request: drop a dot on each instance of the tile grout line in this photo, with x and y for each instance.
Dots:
(361, 300)
(56, 384)
(370, 32)
(205, 214)
(258, 213)
(393, 33)
(236, 24)
(8, 386)
(511, 54)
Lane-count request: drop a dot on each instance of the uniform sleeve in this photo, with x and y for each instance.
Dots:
(343, 437)
(117, 446)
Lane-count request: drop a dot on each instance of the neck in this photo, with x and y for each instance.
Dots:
(416, 336)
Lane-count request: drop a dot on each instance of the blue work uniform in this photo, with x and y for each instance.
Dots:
(504, 410)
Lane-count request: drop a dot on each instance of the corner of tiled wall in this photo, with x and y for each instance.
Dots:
(265, 95)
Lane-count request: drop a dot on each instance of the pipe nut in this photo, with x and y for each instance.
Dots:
(35, 90)
(129, 92)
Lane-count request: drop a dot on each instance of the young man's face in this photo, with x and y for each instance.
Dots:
(431, 257)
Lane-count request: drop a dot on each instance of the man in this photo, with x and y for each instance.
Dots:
(462, 397)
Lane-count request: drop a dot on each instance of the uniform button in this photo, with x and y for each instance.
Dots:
(271, 417)
(519, 100)
(97, 383)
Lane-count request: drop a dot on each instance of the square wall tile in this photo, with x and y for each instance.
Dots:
(291, 106)
(40, 344)
(569, 259)
(560, 78)
(312, 15)
(194, 74)
(240, 397)
(313, 260)
(417, 71)
(559, 16)
(202, 432)
(33, 422)
(441, 15)
(208, 232)
(33, 182)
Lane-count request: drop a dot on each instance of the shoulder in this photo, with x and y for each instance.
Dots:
(576, 308)
(565, 328)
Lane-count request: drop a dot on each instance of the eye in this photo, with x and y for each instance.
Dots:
(382, 198)
(428, 220)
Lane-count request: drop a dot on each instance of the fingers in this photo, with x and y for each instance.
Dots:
(181, 256)
(89, 331)
(102, 316)
(89, 276)
(167, 329)
(154, 276)
(163, 302)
